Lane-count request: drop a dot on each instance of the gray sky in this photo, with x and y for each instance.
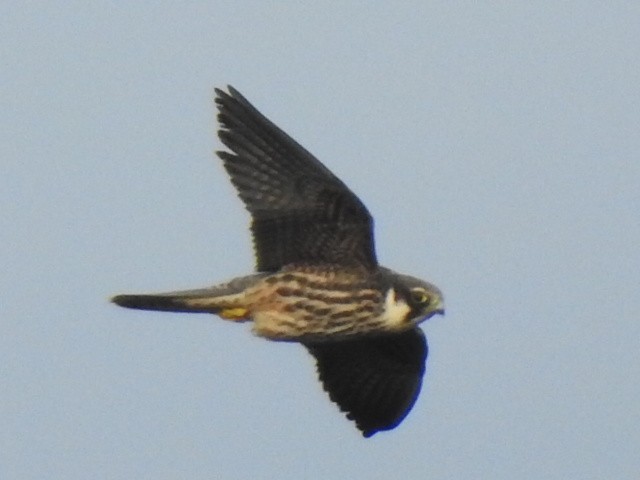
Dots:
(496, 145)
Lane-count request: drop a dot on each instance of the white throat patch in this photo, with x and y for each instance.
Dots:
(395, 309)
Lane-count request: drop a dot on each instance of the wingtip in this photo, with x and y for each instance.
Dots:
(220, 96)
(230, 92)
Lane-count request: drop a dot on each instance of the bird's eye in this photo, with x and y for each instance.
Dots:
(420, 297)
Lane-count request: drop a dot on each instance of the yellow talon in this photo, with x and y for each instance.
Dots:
(236, 313)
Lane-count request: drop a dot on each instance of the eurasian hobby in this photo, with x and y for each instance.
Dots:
(317, 280)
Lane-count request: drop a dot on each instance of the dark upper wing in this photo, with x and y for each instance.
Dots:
(301, 211)
(375, 380)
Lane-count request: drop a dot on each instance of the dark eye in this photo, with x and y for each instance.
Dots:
(420, 297)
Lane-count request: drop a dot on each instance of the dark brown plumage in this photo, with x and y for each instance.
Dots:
(375, 381)
(302, 213)
(318, 281)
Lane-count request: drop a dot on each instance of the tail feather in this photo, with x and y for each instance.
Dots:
(172, 302)
(224, 299)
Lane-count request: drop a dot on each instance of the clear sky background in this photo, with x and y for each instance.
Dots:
(497, 145)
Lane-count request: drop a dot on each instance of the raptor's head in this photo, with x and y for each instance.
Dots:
(411, 300)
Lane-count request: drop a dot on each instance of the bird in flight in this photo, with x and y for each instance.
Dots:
(317, 279)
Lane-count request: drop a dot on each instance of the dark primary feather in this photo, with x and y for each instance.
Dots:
(375, 380)
(302, 213)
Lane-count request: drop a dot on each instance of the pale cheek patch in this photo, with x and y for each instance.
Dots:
(396, 309)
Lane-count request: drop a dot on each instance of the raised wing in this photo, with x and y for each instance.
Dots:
(376, 380)
(301, 212)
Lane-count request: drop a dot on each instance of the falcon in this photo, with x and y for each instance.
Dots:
(317, 279)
